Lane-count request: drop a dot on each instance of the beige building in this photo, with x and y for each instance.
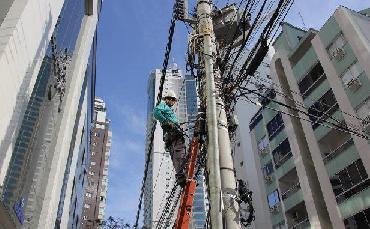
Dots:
(97, 174)
(316, 167)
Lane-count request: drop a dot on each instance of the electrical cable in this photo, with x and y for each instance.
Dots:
(159, 98)
(299, 94)
(320, 122)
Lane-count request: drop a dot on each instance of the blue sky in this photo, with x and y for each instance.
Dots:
(132, 35)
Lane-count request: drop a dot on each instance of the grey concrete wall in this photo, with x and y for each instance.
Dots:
(4, 8)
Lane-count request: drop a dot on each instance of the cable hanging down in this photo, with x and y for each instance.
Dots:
(159, 97)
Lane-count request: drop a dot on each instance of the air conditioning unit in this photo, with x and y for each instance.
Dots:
(354, 84)
(274, 209)
(268, 179)
(339, 54)
(264, 152)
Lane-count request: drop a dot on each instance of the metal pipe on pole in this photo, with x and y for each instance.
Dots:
(205, 29)
(230, 212)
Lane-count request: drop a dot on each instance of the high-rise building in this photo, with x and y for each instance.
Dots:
(200, 205)
(97, 174)
(44, 55)
(314, 156)
(161, 177)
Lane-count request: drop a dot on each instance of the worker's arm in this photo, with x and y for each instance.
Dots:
(157, 112)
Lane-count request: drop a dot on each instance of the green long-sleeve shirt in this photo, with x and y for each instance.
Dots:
(162, 112)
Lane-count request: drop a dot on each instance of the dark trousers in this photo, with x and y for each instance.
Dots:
(175, 145)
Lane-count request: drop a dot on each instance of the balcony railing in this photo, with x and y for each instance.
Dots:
(273, 134)
(314, 85)
(282, 160)
(325, 115)
(291, 191)
(353, 191)
(301, 225)
(338, 150)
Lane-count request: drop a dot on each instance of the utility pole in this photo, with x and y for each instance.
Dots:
(230, 212)
(205, 30)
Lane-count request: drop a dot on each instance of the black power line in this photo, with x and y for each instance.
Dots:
(319, 121)
(159, 97)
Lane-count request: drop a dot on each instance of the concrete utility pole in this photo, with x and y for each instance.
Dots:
(230, 212)
(205, 30)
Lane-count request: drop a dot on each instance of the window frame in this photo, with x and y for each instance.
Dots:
(349, 69)
(340, 34)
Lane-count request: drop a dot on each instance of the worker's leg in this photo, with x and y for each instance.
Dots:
(178, 155)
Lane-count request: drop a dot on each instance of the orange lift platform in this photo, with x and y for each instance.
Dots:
(184, 213)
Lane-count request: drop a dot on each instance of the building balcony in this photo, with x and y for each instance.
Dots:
(283, 159)
(289, 184)
(314, 85)
(363, 185)
(285, 168)
(304, 224)
(324, 116)
(321, 131)
(341, 148)
(297, 217)
(293, 189)
(294, 198)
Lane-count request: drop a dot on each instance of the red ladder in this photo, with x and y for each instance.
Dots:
(187, 198)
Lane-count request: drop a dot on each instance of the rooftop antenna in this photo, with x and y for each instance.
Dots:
(304, 25)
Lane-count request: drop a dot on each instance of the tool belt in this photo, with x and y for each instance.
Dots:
(171, 135)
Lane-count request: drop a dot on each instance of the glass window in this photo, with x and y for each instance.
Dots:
(354, 173)
(323, 108)
(359, 220)
(364, 110)
(351, 180)
(311, 80)
(273, 198)
(351, 73)
(281, 153)
(275, 126)
(338, 43)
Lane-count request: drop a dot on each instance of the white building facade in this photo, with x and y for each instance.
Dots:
(161, 179)
(40, 125)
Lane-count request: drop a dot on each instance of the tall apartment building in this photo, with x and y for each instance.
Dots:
(161, 178)
(97, 174)
(245, 162)
(44, 104)
(316, 173)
